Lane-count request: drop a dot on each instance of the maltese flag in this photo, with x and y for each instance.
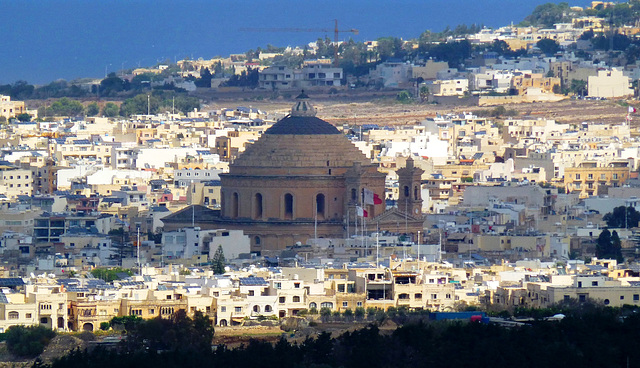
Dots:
(362, 212)
(632, 109)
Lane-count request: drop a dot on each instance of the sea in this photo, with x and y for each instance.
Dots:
(46, 40)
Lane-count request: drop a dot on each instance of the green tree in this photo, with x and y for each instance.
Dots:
(620, 218)
(139, 105)
(110, 110)
(548, 14)
(112, 85)
(578, 87)
(218, 261)
(176, 334)
(548, 46)
(65, 107)
(424, 93)
(93, 109)
(28, 341)
(616, 247)
(205, 79)
(403, 97)
(109, 274)
(24, 117)
(603, 244)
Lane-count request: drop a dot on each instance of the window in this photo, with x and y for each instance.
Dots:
(267, 308)
(578, 176)
(238, 309)
(606, 302)
(359, 304)
(296, 285)
(251, 292)
(277, 285)
(341, 288)
(256, 308)
(615, 176)
(320, 205)
(326, 305)
(257, 206)
(434, 296)
(152, 311)
(313, 305)
(234, 205)
(28, 315)
(594, 283)
(288, 206)
(296, 299)
(636, 297)
(282, 299)
(223, 309)
(418, 296)
(14, 315)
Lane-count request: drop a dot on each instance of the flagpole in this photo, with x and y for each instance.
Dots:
(377, 244)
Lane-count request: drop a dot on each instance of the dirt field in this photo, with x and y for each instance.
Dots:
(386, 111)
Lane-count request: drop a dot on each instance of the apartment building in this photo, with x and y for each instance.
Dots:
(590, 176)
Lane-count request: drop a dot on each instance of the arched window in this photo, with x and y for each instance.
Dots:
(267, 308)
(296, 299)
(257, 206)
(256, 308)
(14, 315)
(415, 192)
(354, 194)
(288, 206)
(320, 205)
(313, 305)
(406, 191)
(326, 305)
(235, 199)
(257, 240)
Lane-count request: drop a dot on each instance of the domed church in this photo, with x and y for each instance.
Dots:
(303, 178)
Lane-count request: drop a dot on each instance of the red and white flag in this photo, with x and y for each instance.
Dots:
(362, 212)
(632, 109)
(369, 197)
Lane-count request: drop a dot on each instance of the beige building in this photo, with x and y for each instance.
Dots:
(10, 109)
(609, 84)
(15, 181)
(588, 177)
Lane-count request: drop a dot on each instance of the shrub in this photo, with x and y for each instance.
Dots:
(28, 341)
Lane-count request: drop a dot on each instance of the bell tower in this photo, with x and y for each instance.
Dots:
(410, 190)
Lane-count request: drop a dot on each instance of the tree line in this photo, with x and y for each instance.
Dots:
(590, 335)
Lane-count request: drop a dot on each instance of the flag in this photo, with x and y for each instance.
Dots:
(376, 199)
(362, 212)
(632, 109)
(367, 196)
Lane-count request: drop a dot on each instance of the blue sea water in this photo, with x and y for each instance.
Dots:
(46, 40)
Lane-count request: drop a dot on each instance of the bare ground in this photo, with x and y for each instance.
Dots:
(386, 111)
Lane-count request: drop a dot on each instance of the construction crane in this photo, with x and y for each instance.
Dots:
(336, 33)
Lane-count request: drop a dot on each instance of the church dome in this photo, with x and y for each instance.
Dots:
(300, 141)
